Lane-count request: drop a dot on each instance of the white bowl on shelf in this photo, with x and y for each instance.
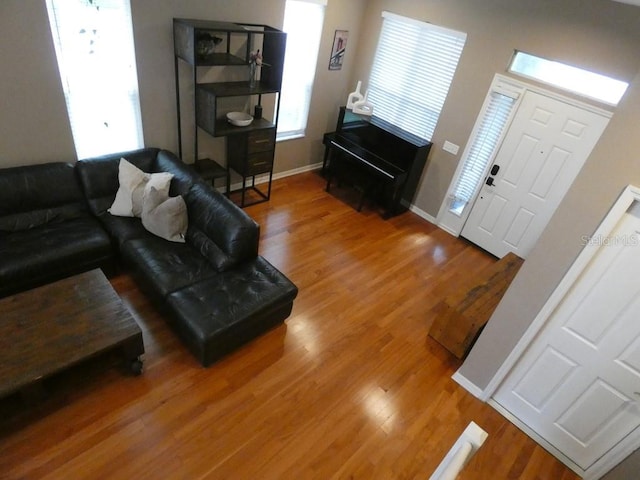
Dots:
(239, 119)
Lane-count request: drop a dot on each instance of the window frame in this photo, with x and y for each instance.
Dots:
(90, 111)
(303, 112)
(500, 107)
(447, 219)
(574, 87)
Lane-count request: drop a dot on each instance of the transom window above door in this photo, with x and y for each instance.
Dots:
(572, 79)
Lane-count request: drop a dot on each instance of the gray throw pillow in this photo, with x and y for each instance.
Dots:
(165, 217)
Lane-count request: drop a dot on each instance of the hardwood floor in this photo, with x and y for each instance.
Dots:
(350, 387)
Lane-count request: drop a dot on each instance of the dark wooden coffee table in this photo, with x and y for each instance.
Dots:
(51, 328)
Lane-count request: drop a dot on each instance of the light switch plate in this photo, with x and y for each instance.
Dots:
(450, 147)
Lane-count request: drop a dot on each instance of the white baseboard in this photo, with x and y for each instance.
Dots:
(265, 178)
(477, 392)
(536, 438)
(296, 171)
(469, 386)
(448, 230)
(422, 214)
(434, 220)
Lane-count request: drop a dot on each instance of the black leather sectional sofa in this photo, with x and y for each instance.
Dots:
(217, 292)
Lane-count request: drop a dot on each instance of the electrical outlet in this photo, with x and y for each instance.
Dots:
(452, 148)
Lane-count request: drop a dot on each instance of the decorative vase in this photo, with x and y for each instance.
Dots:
(252, 74)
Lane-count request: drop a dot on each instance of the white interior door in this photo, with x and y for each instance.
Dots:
(543, 151)
(578, 383)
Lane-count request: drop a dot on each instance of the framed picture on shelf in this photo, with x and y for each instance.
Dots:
(337, 52)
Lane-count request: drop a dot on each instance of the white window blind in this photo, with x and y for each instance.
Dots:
(303, 21)
(96, 58)
(412, 71)
(483, 149)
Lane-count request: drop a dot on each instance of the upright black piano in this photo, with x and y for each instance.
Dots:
(382, 154)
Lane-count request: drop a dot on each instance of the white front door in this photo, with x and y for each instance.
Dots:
(543, 151)
(578, 383)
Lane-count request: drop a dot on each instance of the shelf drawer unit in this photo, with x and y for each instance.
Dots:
(250, 154)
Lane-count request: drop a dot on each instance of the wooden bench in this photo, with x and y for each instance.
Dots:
(460, 317)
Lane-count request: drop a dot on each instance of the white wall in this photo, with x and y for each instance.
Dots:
(33, 119)
(33, 123)
(600, 35)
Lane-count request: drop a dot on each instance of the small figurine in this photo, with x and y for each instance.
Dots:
(363, 107)
(355, 96)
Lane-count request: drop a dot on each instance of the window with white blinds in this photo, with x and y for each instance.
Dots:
(482, 150)
(96, 58)
(412, 70)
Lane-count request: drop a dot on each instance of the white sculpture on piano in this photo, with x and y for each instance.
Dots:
(354, 96)
(364, 106)
(358, 103)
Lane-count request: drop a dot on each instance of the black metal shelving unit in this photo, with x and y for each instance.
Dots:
(250, 149)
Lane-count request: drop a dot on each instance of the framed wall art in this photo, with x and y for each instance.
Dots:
(337, 52)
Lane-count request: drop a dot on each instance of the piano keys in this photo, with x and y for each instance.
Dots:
(376, 153)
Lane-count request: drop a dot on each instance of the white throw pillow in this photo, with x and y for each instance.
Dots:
(165, 217)
(134, 183)
(129, 177)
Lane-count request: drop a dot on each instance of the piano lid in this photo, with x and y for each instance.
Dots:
(352, 120)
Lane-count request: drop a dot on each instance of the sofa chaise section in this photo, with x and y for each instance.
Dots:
(217, 315)
(216, 274)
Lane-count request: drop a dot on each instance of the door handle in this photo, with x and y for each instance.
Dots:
(489, 181)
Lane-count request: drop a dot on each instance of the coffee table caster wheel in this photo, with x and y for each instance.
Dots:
(136, 366)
